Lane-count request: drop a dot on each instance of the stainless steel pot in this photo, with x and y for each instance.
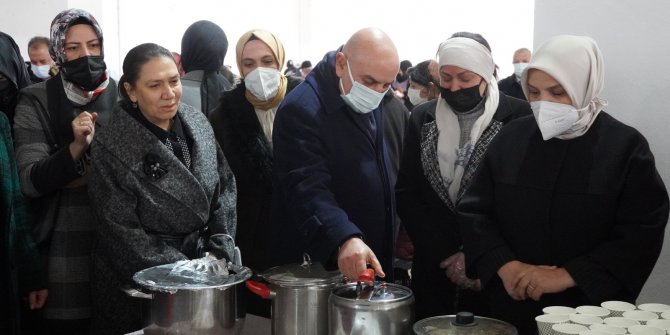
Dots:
(193, 306)
(371, 308)
(299, 294)
(463, 323)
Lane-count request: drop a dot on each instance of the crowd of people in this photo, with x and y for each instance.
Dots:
(506, 195)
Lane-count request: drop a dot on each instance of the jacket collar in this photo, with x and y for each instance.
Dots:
(130, 142)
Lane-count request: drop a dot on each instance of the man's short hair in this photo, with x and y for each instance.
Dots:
(38, 40)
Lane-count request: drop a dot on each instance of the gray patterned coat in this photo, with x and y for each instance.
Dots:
(145, 218)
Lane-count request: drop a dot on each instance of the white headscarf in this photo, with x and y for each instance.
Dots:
(470, 55)
(577, 64)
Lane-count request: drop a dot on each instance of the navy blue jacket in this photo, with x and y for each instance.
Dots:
(332, 177)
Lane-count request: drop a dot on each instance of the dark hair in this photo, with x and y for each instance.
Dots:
(404, 65)
(479, 38)
(132, 65)
(421, 74)
(38, 40)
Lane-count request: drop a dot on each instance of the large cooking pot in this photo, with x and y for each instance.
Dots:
(193, 304)
(463, 323)
(299, 294)
(371, 308)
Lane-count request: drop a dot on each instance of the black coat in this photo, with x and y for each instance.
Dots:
(594, 205)
(510, 86)
(249, 154)
(430, 221)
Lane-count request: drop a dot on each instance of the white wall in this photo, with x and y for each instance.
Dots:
(633, 37)
(307, 28)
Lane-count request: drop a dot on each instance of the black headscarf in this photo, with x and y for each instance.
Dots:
(204, 47)
(13, 68)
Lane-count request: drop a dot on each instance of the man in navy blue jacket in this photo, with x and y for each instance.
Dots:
(333, 190)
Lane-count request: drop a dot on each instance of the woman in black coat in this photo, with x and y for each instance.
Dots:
(243, 127)
(430, 182)
(567, 207)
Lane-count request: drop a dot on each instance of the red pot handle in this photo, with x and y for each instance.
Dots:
(259, 289)
(367, 275)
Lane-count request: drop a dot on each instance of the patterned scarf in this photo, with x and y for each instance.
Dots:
(59, 28)
(470, 55)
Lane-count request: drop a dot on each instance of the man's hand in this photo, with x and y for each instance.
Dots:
(354, 257)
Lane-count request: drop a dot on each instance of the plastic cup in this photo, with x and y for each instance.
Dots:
(656, 308)
(585, 319)
(568, 329)
(545, 321)
(660, 323)
(618, 307)
(608, 329)
(642, 316)
(593, 332)
(645, 330)
(562, 310)
(598, 311)
(619, 321)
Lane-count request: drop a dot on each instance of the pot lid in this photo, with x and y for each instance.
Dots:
(191, 275)
(305, 274)
(379, 292)
(463, 323)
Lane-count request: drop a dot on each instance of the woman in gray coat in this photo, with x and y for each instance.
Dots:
(161, 187)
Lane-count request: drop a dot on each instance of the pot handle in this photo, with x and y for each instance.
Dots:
(367, 275)
(260, 289)
(131, 292)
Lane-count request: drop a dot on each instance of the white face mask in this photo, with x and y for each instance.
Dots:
(554, 118)
(414, 95)
(361, 98)
(518, 69)
(263, 82)
(41, 71)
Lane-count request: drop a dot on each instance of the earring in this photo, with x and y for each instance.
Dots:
(134, 105)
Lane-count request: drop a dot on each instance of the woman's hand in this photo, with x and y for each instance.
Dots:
(455, 271)
(83, 128)
(511, 273)
(545, 279)
(36, 299)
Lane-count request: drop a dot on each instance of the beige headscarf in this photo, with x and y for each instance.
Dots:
(577, 64)
(278, 51)
(470, 55)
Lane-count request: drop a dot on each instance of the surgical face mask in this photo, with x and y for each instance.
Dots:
(463, 100)
(361, 98)
(518, 69)
(414, 95)
(41, 71)
(87, 72)
(554, 118)
(263, 82)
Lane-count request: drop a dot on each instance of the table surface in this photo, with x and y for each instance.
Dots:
(253, 325)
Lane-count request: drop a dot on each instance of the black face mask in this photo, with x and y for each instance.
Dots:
(4, 84)
(462, 100)
(87, 72)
